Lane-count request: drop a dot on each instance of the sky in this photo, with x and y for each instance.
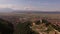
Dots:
(38, 5)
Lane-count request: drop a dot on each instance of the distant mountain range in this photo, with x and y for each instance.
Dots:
(6, 10)
(24, 11)
(38, 12)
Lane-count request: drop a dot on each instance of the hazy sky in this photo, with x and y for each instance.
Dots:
(41, 5)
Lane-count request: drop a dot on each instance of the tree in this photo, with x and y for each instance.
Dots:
(56, 27)
(4, 28)
(46, 22)
(24, 28)
(37, 22)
